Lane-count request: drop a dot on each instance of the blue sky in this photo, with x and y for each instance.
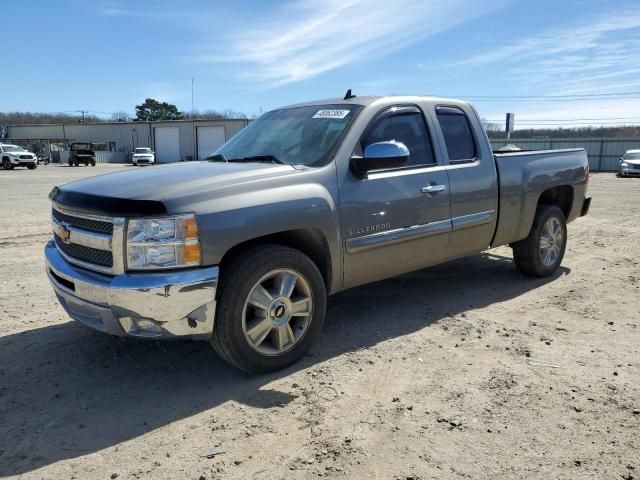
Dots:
(108, 55)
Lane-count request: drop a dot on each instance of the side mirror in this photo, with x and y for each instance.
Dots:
(381, 155)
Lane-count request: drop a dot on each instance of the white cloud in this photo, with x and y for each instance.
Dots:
(306, 38)
(165, 92)
(598, 54)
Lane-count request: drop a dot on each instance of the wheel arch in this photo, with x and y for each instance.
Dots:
(561, 196)
(309, 241)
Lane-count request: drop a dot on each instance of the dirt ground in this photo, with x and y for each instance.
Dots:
(466, 370)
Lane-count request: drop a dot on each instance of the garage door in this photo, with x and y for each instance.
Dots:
(167, 141)
(209, 140)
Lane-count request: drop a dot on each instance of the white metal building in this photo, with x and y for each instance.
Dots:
(173, 141)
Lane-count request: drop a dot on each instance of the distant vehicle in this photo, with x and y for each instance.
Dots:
(82, 153)
(306, 201)
(42, 158)
(143, 156)
(629, 165)
(15, 156)
(509, 148)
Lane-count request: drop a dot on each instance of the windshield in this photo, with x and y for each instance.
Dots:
(81, 146)
(294, 136)
(632, 156)
(143, 150)
(12, 148)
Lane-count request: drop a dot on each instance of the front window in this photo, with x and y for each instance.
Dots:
(405, 125)
(81, 146)
(632, 156)
(143, 150)
(293, 136)
(12, 149)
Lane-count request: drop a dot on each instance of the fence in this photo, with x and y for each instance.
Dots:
(102, 156)
(603, 153)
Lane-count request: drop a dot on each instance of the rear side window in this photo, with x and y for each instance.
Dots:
(408, 128)
(457, 133)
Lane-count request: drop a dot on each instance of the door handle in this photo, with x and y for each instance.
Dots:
(432, 190)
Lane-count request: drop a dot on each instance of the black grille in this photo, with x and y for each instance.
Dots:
(84, 223)
(26, 157)
(102, 258)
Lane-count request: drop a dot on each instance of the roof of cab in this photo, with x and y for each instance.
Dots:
(368, 100)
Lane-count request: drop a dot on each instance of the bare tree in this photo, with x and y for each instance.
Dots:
(120, 116)
(491, 127)
(213, 115)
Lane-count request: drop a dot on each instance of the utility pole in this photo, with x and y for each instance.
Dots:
(511, 117)
(192, 96)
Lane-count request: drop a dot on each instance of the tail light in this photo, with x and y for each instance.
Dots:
(586, 177)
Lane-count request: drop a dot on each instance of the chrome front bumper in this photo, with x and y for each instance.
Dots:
(154, 305)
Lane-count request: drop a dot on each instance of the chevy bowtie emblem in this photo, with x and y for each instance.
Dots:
(64, 233)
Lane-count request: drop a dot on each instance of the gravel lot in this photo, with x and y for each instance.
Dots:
(466, 370)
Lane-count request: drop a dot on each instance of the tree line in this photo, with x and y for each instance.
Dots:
(149, 110)
(496, 131)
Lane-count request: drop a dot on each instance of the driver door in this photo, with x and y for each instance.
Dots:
(397, 220)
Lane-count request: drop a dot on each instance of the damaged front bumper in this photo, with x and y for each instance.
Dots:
(172, 304)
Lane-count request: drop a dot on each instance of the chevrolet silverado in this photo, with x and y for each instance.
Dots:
(308, 200)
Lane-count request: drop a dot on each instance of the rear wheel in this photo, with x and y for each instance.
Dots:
(270, 309)
(540, 254)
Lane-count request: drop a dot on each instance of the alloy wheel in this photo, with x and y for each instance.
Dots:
(277, 313)
(551, 241)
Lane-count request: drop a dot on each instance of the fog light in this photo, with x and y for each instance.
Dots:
(140, 327)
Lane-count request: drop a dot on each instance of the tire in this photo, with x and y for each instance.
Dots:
(93, 163)
(6, 164)
(235, 315)
(32, 167)
(549, 229)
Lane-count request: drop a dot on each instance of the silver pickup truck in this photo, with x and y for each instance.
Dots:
(308, 200)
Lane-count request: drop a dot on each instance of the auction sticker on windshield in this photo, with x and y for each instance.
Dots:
(339, 114)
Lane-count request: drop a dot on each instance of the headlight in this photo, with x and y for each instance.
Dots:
(624, 164)
(164, 242)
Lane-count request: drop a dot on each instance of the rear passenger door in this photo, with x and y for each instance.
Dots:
(395, 220)
(472, 177)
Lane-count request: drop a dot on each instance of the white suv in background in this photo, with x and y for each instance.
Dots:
(143, 156)
(14, 156)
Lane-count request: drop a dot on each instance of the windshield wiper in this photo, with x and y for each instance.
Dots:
(258, 158)
(218, 157)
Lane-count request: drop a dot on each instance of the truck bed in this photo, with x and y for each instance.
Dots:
(524, 176)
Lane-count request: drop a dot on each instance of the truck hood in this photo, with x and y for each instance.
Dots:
(140, 192)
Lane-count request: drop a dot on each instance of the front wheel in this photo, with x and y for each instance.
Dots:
(270, 309)
(32, 167)
(540, 254)
(6, 164)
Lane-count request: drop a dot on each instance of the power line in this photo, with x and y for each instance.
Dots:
(575, 124)
(568, 119)
(555, 96)
(543, 99)
(577, 97)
